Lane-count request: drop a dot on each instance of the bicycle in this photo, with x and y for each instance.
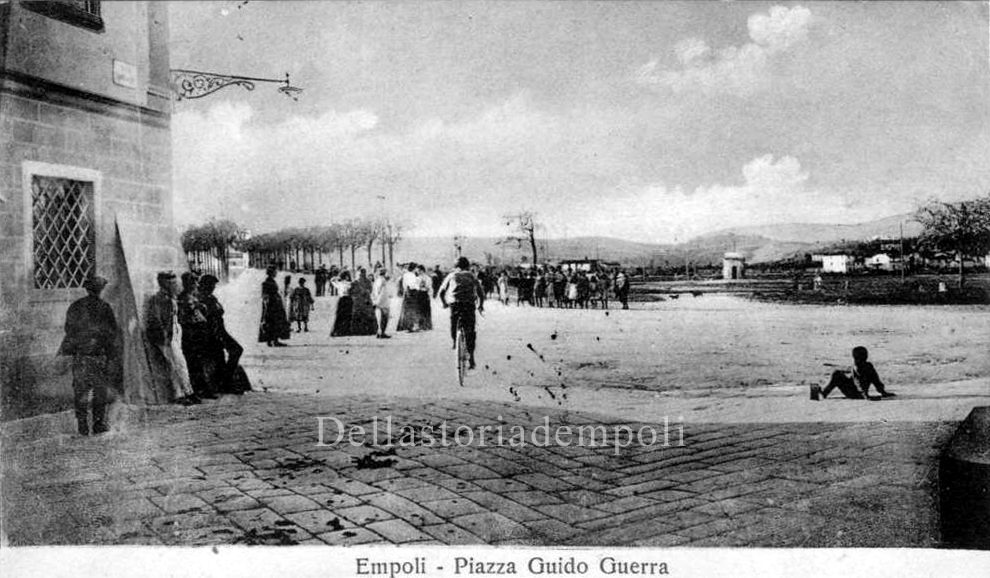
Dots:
(463, 355)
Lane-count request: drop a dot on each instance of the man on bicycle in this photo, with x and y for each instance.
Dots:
(461, 291)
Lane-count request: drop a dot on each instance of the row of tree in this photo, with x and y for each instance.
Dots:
(311, 244)
(211, 243)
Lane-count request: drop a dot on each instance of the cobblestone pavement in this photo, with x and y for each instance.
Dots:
(248, 470)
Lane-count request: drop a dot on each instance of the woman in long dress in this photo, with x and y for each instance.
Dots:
(345, 306)
(274, 324)
(539, 289)
(363, 320)
(572, 290)
(548, 287)
(425, 308)
(560, 288)
(503, 288)
(409, 320)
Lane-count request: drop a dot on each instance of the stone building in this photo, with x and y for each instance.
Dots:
(841, 264)
(85, 183)
(880, 262)
(733, 266)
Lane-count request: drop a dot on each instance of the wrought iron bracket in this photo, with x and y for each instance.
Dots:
(189, 84)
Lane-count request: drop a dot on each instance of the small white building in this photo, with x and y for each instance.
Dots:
(733, 266)
(880, 262)
(836, 263)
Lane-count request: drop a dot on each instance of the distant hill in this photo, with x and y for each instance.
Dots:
(440, 250)
(888, 227)
(760, 244)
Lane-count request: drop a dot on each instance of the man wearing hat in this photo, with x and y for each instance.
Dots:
(160, 324)
(90, 338)
(161, 310)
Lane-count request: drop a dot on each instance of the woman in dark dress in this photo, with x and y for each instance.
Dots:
(410, 318)
(274, 323)
(363, 320)
(345, 306)
(423, 304)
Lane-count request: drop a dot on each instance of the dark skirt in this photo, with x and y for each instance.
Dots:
(342, 318)
(363, 320)
(425, 311)
(274, 323)
(410, 317)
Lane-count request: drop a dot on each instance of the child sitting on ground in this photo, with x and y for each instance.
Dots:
(858, 386)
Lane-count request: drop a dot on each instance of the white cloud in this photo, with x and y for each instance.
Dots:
(737, 70)
(771, 191)
(225, 165)
(459, 177)
(439, 174)
(692, 51)
(781, 28)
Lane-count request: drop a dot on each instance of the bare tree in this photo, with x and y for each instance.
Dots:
(370, 233)
(352, 237)
(391, 235)
(524, 224)
(382, 225)
(338, 241)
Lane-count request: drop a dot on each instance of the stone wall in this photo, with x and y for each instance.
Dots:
(127, 144)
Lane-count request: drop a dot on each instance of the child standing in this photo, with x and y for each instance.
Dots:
(300, 305)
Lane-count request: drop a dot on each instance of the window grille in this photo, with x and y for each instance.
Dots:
(91, 7)
(84, 13)
(63, 222)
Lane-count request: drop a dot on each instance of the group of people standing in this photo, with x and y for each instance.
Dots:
(323, 280)
(191, 355)
(211, 354)
(355, 313)
(565, 288)
(363, 303)
(416, 287)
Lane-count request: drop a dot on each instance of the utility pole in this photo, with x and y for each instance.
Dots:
(902, 252)
(382, 227)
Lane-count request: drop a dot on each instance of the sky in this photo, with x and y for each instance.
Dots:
(648, 121)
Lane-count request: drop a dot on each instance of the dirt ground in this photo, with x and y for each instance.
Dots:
(711, 358)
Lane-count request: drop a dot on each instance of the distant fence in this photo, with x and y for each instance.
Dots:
(210, 262)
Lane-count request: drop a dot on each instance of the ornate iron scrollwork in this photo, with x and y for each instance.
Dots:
(195, 84)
